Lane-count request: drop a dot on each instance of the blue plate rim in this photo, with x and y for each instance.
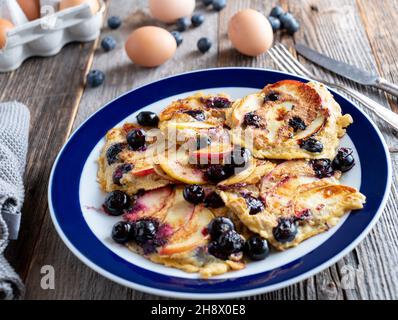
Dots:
(235, 294)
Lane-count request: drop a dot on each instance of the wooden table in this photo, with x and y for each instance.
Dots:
(360, 32)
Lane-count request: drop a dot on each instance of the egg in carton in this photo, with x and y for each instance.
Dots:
(47, 35)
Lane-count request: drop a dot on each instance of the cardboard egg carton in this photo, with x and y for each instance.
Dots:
(48, 35)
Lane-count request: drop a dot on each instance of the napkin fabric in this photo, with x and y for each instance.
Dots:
(14, 130)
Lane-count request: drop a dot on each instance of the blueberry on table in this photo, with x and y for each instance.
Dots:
(108, 43)
(311, 145)
(256, 248)
(197, 19)
(121, 232)
(275, 23)
(285, 231)
(194, 194)
(214, 201)
(227, 244)
(254, 205)
(183, 24)
(114, 22)
(95, 78)
(148, 119)
(136, 139)
(218, 5)
(116, 203)
(218, 226)
(289, 23)
(276, 12)
(207, 2)
(177, 36)
(204, 45)
(344, 160)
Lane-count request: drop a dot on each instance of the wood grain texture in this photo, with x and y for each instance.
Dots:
(355, 31)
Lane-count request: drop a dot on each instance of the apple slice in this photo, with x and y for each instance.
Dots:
(142, 172)
(191, 235)
(312, 129)
(176, 165)
(241, 107)
(214, 154)
(190, 125)
(180, 213)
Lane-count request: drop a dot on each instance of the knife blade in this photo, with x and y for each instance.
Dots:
(341, 68)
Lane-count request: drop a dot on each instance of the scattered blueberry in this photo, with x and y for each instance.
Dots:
(217, 172)
(116, 203)
(276, 12)
(207, 2)
(214, 201)
(218, 226)
(120, 171)
(148, 119)
(344, 160)
(285, 231)
(254, 205)
(197, 19)
(136, 139)
(144, 230)
(202, 142)
(228, 243)
(256, 248)
(112, 154)
(311, 145)
(252, 119)
(194, 194)
(114, 22)
(183, 24)
(108, 43)
(322, 168)
(95, 78)
(177, 36)
(275, 23)
(297, 124)
(121, 232)
(272, 96)
(289, 23)
(218, 103)
(204, 45)
(196, 114)
(218, 5)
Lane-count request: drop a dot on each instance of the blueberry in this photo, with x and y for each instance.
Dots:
(218, 5)
(322, 168)
(252, 119)
(121, 232)
(204, 45)
(285, 231)
(228, 243)
(217, 172)
(112, 154)
(276, 12)
(272, 96)
(148, 119)
(120, 171)
(108, 43)
(144, 230)
(116, 203)
(136, 139)
(214, 201)
(219, 226)
(196, 114)
(289, 23)
(95, 78)
(194, 194)
(344, 160)
(177, 36)
(183, 24)
(254, 205)
(256, 248)
(311, 145)
(202, 142)
(207, 2)
(297, 124)
(114, 22)
(218, 103)
(275, 23)
(197, 19)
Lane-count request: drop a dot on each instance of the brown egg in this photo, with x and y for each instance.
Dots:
(150, 46)
(169, 11)
(73, 3)
(250, 32)
(31, 8)
(5, 25)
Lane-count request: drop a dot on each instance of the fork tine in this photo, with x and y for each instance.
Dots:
(295, 61)
(288, 61)
(277, 61)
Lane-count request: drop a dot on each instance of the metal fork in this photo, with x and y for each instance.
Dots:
(287, 62)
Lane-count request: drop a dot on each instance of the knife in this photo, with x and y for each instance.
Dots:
(347, 71)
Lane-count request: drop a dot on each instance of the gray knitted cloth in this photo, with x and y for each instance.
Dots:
(14, 130)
